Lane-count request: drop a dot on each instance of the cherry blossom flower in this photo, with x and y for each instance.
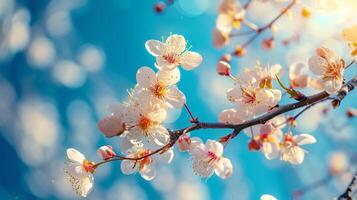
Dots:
(291, 150)
(186, 143)
(144, 121)
(329, 68)
(350, 36)
(106, 152)
(173, 53)
(254, 93)
(113, 125)
(79, 172)
(207, 158)
(297, 78)
(144, 166)
(161, 86)
(267, 197)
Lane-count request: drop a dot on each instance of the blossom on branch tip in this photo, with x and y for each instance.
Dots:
(161, 87)
(106, 152)
(291, 150)
(329, 68)
(173, 53)
(220, 38)
(207, 159)
(79, 172)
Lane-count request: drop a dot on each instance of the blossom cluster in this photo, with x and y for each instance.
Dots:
(139, 121)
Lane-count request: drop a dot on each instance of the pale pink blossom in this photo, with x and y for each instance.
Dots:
(223, 68)
(291, 150)
(329, 68)
(207, 159)
(173, 53)
(297, 77)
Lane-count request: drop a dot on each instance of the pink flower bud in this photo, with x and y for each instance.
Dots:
(111, 126)
(184, 143)
(223, 68)
(106, 152)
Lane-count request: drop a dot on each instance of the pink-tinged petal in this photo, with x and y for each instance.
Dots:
(162, 64)
(317, 65)
(166, 157)
(223, 68)
(224, 23)
(224, 168)
(169, 77)
(317, 84)
(155, 47)
(295, 70)
(215, 147)
(145, 77)
(159, 115)
(175, 98)
(111, 126)
(148, 172)
(231, 116)
(332, 86)
(276, 70)
(176, 43)
(195, 142)
(128, 167)
(75, 156)
(304, 139)
(190, 60)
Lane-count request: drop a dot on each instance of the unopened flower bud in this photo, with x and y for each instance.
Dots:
(111, 126)
(184, 143)
(351, 112)
(223, 68)
(292, 121)
(305, 12)
(226, 58)
(268, 44)
(159, 7)
(106, 152)
(253, 145)
(239, 51)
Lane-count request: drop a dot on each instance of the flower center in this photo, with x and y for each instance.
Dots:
(212, 157)
(145, 161)
(249, 96)
(145, 123)
(266, 82)
(159, 90)
(288, 139)
(333, 71)
(88, 166)
(171, 58)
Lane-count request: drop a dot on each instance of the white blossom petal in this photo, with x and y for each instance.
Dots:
(75, 156)
(145, 77)
(128, 167)
(176, 44)
(304, 139)
(224, 168)
(190, 60)
(159, 135)
(148, 172)
(317, 65)
(169, 77)
(175, 98)
(155, 47)
(215, 147)
(163, 64)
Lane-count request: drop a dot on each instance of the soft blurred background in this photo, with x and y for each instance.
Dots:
(63, 61)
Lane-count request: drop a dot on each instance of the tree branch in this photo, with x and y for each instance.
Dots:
(237, 128)
(351, 189)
